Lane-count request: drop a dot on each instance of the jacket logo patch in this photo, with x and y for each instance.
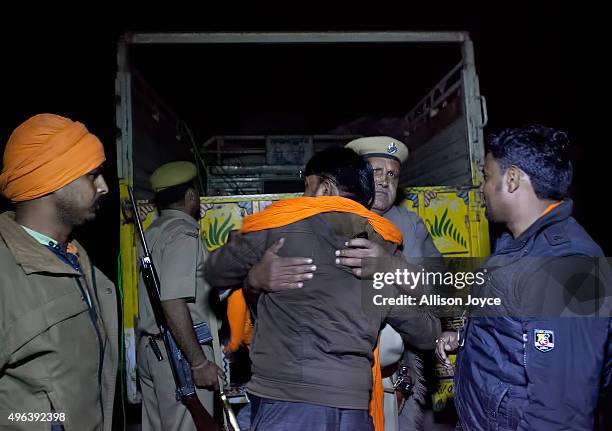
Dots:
(544, 340)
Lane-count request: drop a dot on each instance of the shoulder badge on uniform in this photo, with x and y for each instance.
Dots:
(392, 148)
(544, 339)
(192, 233)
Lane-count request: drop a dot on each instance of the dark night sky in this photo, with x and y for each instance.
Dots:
(533, 64)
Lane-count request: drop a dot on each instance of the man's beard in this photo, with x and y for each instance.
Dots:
(72, 215)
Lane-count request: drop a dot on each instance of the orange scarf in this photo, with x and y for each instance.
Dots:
(287, 211)
(283, 213)
(241, 327)
(376, 400)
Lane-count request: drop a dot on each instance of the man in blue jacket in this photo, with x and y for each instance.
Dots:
(526, 368)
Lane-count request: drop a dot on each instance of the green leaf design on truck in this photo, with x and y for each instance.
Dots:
(444, 227)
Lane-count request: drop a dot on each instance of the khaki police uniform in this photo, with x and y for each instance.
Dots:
(417, 245)
(178, 255)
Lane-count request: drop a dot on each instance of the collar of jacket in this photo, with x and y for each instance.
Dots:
(180, 215)
(511, 245)
(32, 256)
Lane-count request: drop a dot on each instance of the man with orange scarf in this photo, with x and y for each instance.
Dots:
(313, 348)
(386, 156)
(58, 313)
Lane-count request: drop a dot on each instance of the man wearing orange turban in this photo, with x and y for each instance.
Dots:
(58, 318)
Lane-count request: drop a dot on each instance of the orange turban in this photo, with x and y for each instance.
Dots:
(44, 154)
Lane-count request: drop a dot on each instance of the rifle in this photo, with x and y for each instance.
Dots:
(181, 370)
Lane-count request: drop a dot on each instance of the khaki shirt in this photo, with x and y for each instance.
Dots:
(52, 358)
(417, 245)
(417, 241)
(178, 256)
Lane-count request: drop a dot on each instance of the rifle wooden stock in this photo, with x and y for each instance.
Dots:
(203, 421)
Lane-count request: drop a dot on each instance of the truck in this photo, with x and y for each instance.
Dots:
(249, 109)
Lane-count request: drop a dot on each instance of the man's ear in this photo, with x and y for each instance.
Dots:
(326, 188)
(514, 175)
(191, 195)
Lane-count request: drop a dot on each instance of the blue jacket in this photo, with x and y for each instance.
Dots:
(527, 369)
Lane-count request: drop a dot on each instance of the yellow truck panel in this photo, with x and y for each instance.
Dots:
(454, 218)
